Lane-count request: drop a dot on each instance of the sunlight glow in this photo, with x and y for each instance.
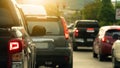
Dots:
(42, 2)
(30, 9)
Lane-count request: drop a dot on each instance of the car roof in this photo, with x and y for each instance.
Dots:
(86, 20)
(110, 27)
(103, 29)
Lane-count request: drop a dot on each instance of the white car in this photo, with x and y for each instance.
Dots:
(116, 54)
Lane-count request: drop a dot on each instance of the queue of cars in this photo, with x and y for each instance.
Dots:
(30, 40)
(105, 39)
(103, 42)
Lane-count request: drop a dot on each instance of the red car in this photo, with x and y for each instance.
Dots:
(102, 45)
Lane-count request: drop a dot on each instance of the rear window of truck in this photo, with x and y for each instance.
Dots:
(87, 24)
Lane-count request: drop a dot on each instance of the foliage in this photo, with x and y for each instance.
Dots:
(103, 23)
(107, 12)
(90, 11)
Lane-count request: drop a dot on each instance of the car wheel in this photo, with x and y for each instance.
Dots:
(36, 66)
(74, 47)
(66, 66)
(115, 63)
(100, 57)
(94, 55)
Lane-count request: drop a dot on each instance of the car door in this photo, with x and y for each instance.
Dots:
(31, 49)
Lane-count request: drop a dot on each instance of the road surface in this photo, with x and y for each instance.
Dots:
(83, 59)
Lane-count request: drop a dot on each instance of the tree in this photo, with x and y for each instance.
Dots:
(107, 12)
(90, 11)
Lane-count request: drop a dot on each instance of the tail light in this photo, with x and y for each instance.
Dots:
(66, 32)
(76, 32)
(104, 39)
(66, 58)
(15, 45)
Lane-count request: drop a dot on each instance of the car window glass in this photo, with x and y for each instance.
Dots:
(52, 27)
(87, 24)
(5, 18)
(112, 32)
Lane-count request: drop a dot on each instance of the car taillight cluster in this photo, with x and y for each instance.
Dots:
(104, 39)
(15, 45)
(66, 32)
(76, 32)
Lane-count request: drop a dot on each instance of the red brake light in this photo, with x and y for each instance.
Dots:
(15, 45)
(66, 35)
(90, 28)
(76, 32)
(66, 32)
(104, 39)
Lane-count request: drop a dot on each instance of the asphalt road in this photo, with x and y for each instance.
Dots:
(83, 59)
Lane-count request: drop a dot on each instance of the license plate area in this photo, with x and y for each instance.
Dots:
(48, 62)
(42, 45)
(91, 30)
(17, 65)
(79, 40)
(89, 39)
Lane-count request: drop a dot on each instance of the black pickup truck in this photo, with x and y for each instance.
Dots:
(16, 47)
(84, 32)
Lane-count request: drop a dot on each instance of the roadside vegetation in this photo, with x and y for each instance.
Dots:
(103, 11)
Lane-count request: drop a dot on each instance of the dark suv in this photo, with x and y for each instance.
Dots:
(52, 41)
(16, 47)
(84, 32)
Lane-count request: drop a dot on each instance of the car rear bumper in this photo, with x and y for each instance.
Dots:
(83, 44)
(106, 49)
(55, 51)
(83, 41)
(53, 57)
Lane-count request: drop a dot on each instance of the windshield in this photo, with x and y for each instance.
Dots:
(87, 24)
(112, 32)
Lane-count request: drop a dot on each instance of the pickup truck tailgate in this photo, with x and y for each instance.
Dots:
(87, 32)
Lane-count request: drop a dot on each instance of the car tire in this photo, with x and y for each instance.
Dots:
(74, 47)
(115, 63)
(101, 57)
(94, 55)
(36, 66)
(66, 66)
